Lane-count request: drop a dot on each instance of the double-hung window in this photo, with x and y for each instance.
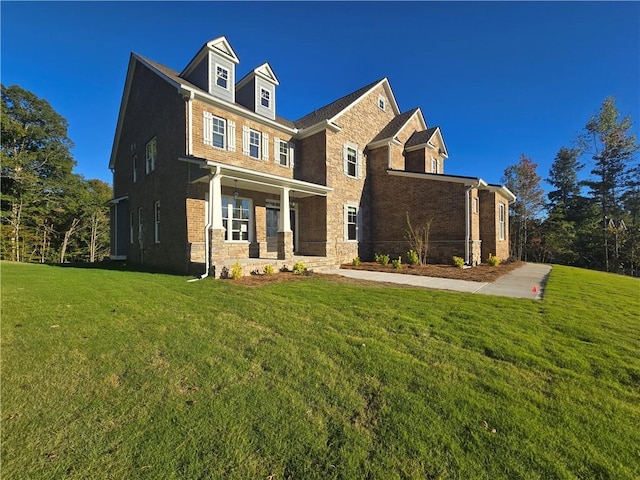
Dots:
(351, 223)
(265, 98)
(351, 166)
(254, 144)
(218, 132)
(434, 165)
(283, 153)
(501, 221)
(150, 155)
(236, 213)
(156, 222)
(222, 77)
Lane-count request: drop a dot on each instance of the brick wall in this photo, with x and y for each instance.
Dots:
(489, 225)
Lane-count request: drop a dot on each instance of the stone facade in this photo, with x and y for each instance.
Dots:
(352, 177)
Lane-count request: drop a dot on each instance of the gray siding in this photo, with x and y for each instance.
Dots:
(200, 75)
(246, 95)
(265, 112)
(216, 91)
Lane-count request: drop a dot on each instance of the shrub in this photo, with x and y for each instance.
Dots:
(396, 263)
(458, 261)
(299, 268)
(268, 269)
(413, 257)
(382, 259)
(236, 271)
(493, 260)
(356, 262)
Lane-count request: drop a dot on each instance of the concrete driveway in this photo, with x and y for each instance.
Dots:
(527, 281)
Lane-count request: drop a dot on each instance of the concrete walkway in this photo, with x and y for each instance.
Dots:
(527, 281)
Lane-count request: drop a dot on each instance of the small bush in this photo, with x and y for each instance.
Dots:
(458, 261)
(493, 260)
(413, 257)
(396, 263)
(268, 269)
(299, 268)
(382, 259)
(356, 262)
(236, 271)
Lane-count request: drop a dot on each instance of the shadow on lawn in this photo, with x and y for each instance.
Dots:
(118, 266)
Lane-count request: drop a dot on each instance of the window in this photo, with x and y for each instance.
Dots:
(351, 161)
(235, 218)
(381, 103)
(476, 203)
(265, 98)
(218, 132)
(222, 77)
(134, 161)
(140, 223)
(434, 165)
(156, 222)
(501, 221)
(254, 144)
(151, 152)
(131, 227)
(351, 223)
(283, 153)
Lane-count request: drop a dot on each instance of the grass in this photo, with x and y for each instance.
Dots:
(109, 374)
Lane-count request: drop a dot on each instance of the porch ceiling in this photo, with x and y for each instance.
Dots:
(245, 179)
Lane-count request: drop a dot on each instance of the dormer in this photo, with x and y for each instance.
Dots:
(425, 151)
(257, 91)
(213, 69)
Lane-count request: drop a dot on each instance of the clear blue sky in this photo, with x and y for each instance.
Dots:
(500, 79)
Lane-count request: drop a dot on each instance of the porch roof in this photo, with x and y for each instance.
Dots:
(244, 178)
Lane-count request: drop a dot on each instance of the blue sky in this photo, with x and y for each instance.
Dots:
(499, 78)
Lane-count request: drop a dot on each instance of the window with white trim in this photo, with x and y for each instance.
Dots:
(351, 223)
(134, 161)
(131, 227)
(150, 155)
(381, 103)
(283, 153)
(265, 98)
(156, 222)
(476, 203)
(236, 218)
(502, 221)
(434, 165)
(218, 131)
(351, 161)
(254, 144)
(222, 77)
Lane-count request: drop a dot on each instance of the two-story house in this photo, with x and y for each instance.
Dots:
(206, 173)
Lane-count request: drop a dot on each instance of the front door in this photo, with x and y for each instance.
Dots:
(273, 224)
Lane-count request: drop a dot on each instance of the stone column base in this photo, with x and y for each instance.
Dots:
(285, 245)
(216, 251)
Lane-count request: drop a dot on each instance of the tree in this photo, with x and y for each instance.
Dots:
(35, 157)
(524, 182)
(613, 148)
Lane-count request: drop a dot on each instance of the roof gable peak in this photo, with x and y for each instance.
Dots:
(221, 46)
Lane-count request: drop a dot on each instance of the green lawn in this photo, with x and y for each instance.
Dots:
(109, 374)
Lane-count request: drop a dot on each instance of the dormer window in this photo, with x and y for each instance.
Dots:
(222, 77)
(265, 98)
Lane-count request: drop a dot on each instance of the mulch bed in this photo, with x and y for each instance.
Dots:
(481, 273)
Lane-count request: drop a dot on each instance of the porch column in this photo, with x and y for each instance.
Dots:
(285, 235)
(216, 232)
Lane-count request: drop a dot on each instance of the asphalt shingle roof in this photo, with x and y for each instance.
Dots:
(333, 108)
(420, 138)
(395, 125)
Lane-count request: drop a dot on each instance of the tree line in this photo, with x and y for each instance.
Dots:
(591, 217)
(49, 214)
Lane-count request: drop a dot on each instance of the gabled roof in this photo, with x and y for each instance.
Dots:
(218, 45)
(335, 109)
(263, 71)
(423, 137)
(395, 126)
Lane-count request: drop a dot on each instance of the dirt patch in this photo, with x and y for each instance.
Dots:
(481, 273)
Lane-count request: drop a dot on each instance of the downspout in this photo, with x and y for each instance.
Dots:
(188, 96)
(207, 228)
(467, 214)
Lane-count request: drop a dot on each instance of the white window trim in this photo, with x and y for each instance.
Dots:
(382, 104)
(250, 220)
(476, 205)
(348, 206)
(156, 222)
(150, 162)
(346, 162)
(215, 77)
(277, 145)
(502, 221)
(434, 165)
(249, 144)
(268, 92)
(208, 134)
